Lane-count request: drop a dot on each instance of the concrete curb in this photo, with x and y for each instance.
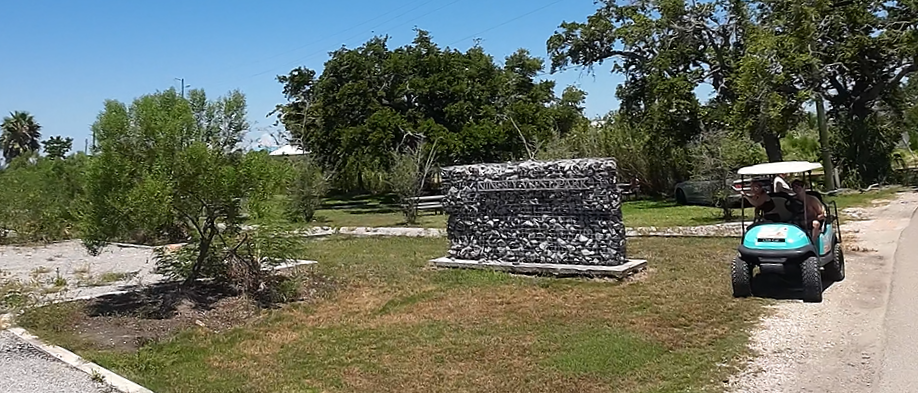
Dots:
(5, 321)
(118, 382)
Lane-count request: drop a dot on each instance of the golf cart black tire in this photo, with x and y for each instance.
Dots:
(742, 278)
(680, 197)
(812, 280)
(835, 270)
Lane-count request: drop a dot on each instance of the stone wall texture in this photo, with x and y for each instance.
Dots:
(557, 212)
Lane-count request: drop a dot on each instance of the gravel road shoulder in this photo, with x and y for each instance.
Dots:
(836, 345)
(26, 369)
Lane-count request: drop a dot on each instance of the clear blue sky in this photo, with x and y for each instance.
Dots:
(62, 59)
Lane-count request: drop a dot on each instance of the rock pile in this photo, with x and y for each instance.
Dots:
(556, 212)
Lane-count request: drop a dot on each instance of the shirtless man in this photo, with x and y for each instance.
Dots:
(814, 211)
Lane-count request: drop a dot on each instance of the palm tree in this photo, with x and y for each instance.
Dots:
(21, 135)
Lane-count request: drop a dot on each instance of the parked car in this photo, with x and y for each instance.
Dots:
(701, 192)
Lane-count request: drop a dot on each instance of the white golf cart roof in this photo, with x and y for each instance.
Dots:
(777, 168)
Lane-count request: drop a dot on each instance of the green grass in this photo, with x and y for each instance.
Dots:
(377, 211)
(356, 211)
(647, 213)
(396, 325)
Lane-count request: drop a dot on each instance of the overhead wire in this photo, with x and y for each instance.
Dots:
(506, 22)
(341, 31)
(298, 61)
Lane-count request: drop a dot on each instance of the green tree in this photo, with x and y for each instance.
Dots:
(857, 55)
(664, 49)
(20, 135)
(354, 115)
(57, 147)
(42, 197)
(165, 162)
(910, 111)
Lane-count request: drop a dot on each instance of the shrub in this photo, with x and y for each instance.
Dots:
(306, 190)
(41, 197)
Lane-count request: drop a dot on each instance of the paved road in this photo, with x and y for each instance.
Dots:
(26, 369)
(899, 371)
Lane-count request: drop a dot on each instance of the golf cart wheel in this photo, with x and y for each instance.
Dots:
(812, 280)
(836, 269)
(742, 278)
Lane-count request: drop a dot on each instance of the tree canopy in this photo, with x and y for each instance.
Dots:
(368, 98)
(20, 135)
(763, 59)
(57, 147)
(173, 168)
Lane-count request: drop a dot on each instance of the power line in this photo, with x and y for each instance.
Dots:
(341, 32)
(506, 22)
(298, 61)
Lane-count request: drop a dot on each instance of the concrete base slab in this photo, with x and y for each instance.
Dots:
(620, 271)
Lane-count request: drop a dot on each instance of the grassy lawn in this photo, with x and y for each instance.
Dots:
(367, 211)
(393, 324)
(647, 213)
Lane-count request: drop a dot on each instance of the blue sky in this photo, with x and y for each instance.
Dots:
(62, 59)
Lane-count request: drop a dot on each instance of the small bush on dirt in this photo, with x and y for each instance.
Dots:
(306, 190)
(167, 161)
(243, 260)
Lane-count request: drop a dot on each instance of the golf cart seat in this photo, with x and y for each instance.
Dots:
(784, 209)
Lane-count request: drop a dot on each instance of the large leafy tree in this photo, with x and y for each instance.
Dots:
(21, 135)
(57, 147)
(857, 54)
(666, 49)
(368, 98)
(165, 162)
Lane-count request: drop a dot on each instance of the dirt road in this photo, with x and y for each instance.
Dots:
(864, 336)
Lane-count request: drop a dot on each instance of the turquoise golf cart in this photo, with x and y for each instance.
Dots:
(780, 241)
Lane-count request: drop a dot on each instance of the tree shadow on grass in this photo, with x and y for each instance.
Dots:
(160, 301)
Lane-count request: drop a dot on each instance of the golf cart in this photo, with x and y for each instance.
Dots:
(782, 241)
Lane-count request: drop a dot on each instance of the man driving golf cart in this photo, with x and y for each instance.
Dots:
(783, 207)
(791, 235)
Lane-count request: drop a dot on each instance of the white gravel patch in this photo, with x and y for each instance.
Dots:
(26, 369)
(40, 266)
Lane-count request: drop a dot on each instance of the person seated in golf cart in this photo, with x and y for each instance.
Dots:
(814, 212)
(766, 207)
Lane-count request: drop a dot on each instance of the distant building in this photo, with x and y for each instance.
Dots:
(288, 150)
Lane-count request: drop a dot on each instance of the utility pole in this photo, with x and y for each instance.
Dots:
(824, 142)
(182, 81)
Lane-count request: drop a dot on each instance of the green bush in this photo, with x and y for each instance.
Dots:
(41, 197)
(169, 162)
(306, 189)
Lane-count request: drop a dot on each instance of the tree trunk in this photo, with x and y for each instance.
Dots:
(866, 154)
(827, 166)
(772, 145)
(207, 238)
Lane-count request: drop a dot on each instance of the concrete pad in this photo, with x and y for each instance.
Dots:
(620, 271)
